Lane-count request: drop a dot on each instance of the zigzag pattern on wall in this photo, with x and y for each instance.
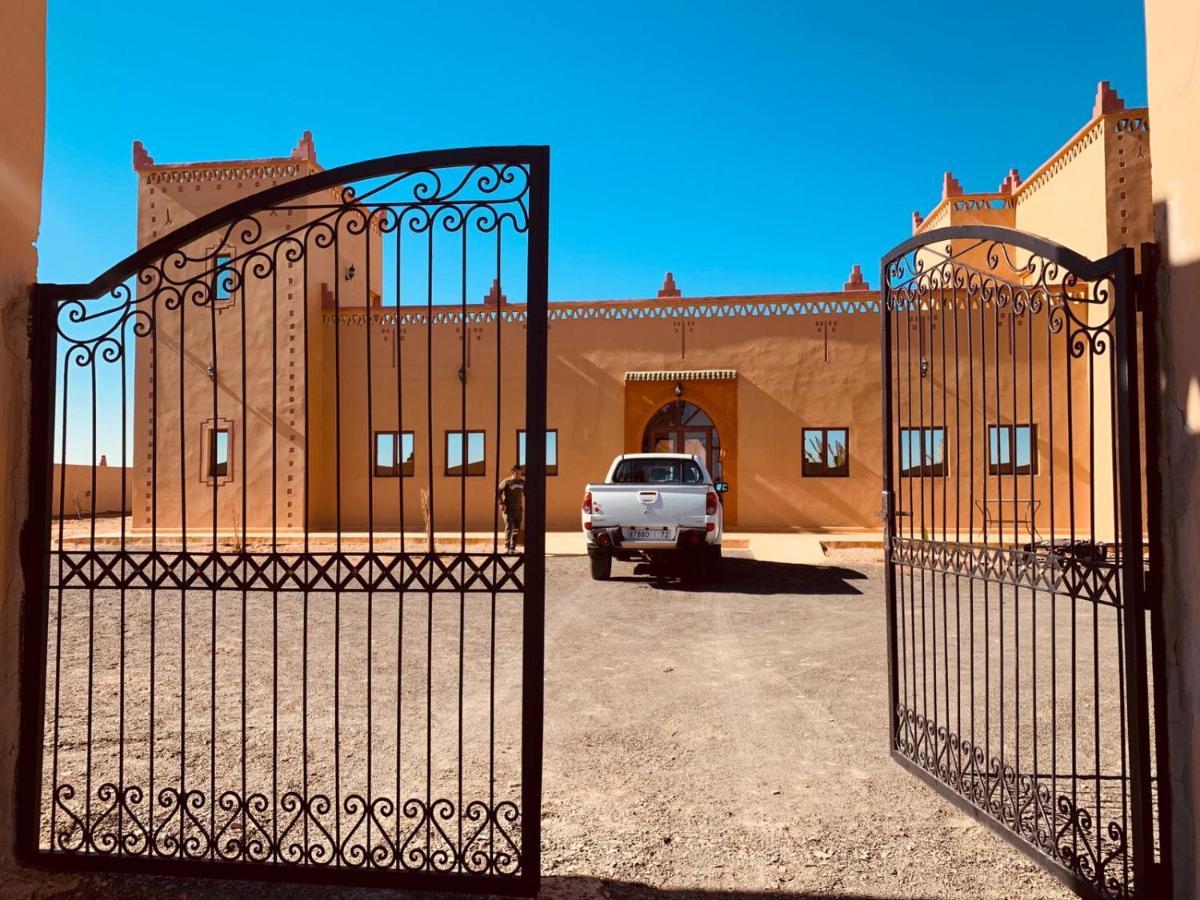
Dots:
(712, 308)
(1130, 121)
(198, 173)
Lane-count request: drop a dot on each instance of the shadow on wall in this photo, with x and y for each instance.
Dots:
(784, 504)
(1179, 521)
(750, 576)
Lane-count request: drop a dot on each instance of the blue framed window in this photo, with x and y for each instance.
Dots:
(218, 453)
(466, 453)
(1012, 449)
(394, 454)
(923, 452)
(551, 450)
(223, 276)
(826, 453)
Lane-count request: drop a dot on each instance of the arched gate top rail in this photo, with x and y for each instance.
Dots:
(521, 155)
(1049, 250)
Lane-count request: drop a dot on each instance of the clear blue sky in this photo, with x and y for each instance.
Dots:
(747, 146)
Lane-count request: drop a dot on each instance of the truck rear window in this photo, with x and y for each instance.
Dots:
(657, 471)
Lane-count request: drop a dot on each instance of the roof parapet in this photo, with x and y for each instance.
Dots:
(141, 159)
(1013, 188)
(305, 150)
(669, 288)
(1107, 100)
(950, 186)
(494, 297)
(856, 282)
(1011, 182)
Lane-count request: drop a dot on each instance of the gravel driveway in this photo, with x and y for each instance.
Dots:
(736, 740)
(728, 739)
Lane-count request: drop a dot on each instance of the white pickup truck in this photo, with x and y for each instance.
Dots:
(655, 505)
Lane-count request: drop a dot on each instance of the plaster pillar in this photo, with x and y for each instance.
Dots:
(1173, 36)
(23, 114)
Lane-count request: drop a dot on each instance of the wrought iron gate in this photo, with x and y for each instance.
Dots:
(303, 652)
(1020, 607)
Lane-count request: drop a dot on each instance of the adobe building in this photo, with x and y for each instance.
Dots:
(1070, 176)
(780, 393)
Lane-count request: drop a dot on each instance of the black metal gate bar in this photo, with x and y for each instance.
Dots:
(189, 599)
(1053, 740)
(1147, 295)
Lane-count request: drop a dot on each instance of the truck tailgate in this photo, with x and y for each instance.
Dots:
(648, 512)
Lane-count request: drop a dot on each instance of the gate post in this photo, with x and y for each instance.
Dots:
(35, 566)
(534, 619)
(1132, 568)
(887, 511)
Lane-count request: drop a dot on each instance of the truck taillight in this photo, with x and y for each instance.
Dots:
(587, 502)
(710, 503)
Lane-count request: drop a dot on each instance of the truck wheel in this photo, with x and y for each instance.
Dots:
(601, 565)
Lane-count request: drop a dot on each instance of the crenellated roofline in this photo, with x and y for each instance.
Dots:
(1108, 110)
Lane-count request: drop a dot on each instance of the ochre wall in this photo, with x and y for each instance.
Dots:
(788, 378)
(988, 369)
(1173, 31)
(312, 401)
(1064, 199)
(254, 343)
(85, 489)
(784, 383)
(1093, 195)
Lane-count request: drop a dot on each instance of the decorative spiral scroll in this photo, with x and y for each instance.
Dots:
(986, 274)
(412, 836)
(252, 247)
(1061, 828)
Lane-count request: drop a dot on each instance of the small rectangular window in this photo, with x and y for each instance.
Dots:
(218, 453)
(923, 452)
(465, 453)
(1012, 449)
(394, 454)
(551, 450)
(826, 452)
(223, 276)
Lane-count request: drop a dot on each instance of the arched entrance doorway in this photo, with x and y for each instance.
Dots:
(683, 427)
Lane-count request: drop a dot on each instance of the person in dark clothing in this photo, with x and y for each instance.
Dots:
(511, 497)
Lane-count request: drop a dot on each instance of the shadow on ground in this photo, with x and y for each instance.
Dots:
(741, 575)
(553, 887)
(578, 887)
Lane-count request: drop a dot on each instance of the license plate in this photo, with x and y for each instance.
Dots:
(649, 534)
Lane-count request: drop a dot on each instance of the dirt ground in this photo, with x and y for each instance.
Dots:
(727, 740)
(736, 739)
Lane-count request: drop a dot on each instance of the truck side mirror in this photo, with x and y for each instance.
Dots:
(721, 487)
